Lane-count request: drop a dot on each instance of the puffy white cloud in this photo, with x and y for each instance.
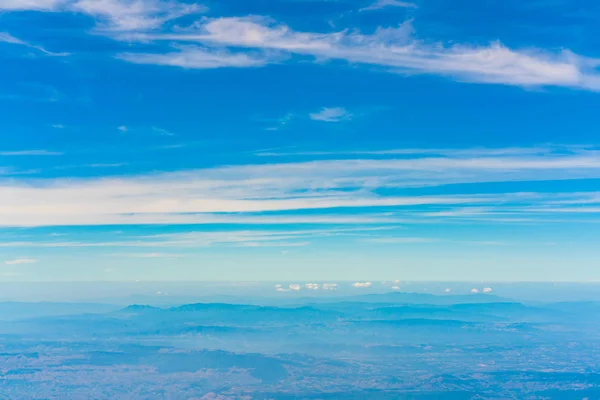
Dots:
(362, 285)
(312, 286)
(295, 287)
(487, 290)
(20, 261)
(447, 290)
(331, 114)
(330, 286)
(474, 290)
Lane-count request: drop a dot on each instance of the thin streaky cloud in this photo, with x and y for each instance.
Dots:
(194, 57)
(193, 195)
(162, 131)
(19, 261)
(400, 240)
(8, 38)
(119, 16)
(472, 152)
(395, 49)
(380, 4)
(34, 5)
(30, 153)
(202, 239)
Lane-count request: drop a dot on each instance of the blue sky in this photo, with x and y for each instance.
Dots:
(299, 140)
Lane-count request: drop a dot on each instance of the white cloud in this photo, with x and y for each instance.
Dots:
(295, 287)
(361, 285)
(447, 152)
(395, 287)
(474, 290)
(113, 165)
(202, 196)
(331, 114)
(379, 4)
(156, 255)
(312, 286)
(274, 244)
(113, 16)
(397, 50)
(329, 286)
(133, 15)
(194, 57)
(447, 290)
(279, 123)
(30, 153)
(238, 238)
(266, 41)
(399, 240)
(122, 128)
(8, 38)
(487, 290)
(34, 5)
(280, 288)
(20, 261)
(162, 131)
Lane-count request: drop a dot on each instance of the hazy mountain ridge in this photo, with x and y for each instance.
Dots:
(380, 346)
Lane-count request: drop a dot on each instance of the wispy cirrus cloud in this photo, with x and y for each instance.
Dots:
(30, 153)
(19, 261)
(243, 42)
(331, 114)
(134, 15)
(162, 131)
(379, 4)
(194, 57)
(8, 38)
(198, 239)
(395, 49)
(456, 152)
(35, 5)
(201, 196)
(400, 240)
(113, 15)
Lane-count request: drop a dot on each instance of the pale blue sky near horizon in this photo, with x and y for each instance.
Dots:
(299, 140)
